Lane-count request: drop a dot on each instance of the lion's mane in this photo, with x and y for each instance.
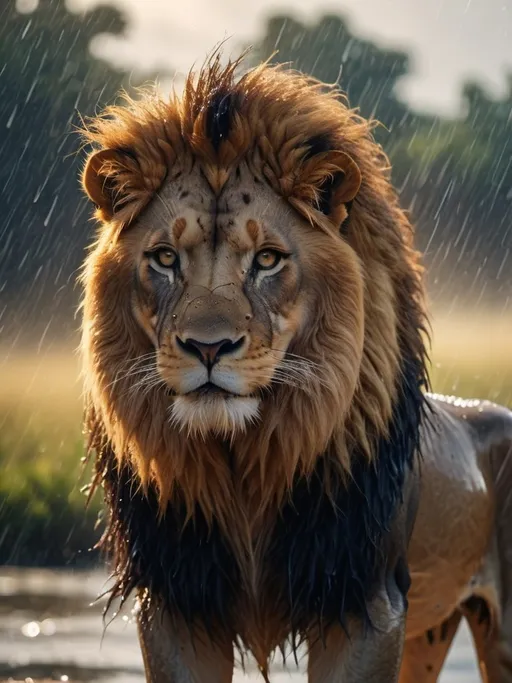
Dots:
(324, 513)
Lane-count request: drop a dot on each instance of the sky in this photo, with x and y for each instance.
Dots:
(450, 40)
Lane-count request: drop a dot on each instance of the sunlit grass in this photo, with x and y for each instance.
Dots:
(42, 511)
(472, 356)
(41, 439)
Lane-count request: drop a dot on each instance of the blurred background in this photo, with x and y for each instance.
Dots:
(436, 73)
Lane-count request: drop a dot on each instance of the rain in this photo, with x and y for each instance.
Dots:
(449, 140)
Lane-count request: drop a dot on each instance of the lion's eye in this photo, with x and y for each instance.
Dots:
(165, 258)
(267, 259)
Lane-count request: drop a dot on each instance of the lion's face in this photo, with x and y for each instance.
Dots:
(233, 321)
(226, 288)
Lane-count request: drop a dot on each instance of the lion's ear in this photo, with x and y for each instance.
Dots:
(339, 188)
(104, 180)
(327, 183)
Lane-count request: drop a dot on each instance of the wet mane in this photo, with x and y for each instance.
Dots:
(294, 133)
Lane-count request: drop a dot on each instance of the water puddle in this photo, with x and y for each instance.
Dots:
(51, 629)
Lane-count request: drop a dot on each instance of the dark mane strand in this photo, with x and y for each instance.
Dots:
(218, 117)
(318, 144)
(328, 557)
(187, 566)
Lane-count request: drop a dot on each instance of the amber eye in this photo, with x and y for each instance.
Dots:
(165, 258)
(266, 259)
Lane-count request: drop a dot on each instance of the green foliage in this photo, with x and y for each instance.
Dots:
(43, 519)
(48, 75)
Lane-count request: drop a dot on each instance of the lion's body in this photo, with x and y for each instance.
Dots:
(460, 551)
(255, 373)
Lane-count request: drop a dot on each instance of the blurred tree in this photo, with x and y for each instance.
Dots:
(455, 175)
(490, 121)
(46, 74)
(459, 175)
(329, 51)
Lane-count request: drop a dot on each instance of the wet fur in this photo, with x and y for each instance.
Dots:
(287, 522)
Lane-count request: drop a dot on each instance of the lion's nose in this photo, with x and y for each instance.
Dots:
(208, 353)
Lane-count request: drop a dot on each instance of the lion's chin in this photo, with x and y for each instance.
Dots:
(223, 415)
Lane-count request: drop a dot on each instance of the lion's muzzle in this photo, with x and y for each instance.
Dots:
(211, 340)
(209, 353)
(212, 329)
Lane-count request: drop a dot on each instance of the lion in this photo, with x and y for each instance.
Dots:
(255, 366)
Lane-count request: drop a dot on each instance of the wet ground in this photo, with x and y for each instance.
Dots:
(50, 631)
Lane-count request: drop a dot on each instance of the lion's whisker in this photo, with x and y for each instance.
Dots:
(291, 356)
(302, 374)
(128, 374)
(133, 365)
(136, 361)
(152, 379)
(282, 380)
(138, 358)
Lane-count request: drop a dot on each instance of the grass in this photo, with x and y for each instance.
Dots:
(42, 517)
(472, 356)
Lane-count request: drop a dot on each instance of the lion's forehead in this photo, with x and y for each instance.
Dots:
(242, 216)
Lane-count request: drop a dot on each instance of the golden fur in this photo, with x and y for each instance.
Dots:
(310, 506)
(357, 339)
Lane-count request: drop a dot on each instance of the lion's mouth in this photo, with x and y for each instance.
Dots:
(211, 389)
(205, 390)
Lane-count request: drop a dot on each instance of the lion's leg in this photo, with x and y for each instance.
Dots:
(373, 657)
(171, 655)
(491, 633)
(425, 655)
(487, 652)
(492, 647)
(489, 614)
(372, 654)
